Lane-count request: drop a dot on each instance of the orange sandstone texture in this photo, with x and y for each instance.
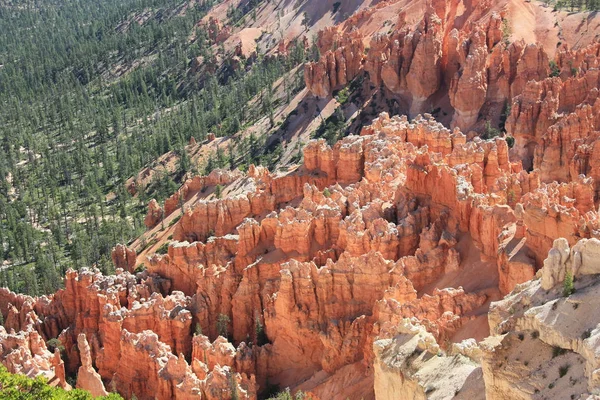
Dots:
(337, 67)
(305, 289)
(124, 257)
(405, 232)
(462, 58)
(87, 377)
(301, 279)
(155, 214)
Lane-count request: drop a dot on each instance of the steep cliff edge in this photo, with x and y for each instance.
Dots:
(543, 341)
(547, 329)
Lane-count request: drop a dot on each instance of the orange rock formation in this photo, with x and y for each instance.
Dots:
(292, 278)
(463, 58)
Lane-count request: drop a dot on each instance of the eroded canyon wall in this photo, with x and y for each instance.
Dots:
(370, 268)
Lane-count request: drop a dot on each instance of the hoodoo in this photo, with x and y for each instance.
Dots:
(397, 200)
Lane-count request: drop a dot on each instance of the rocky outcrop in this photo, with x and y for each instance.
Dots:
(516, 261)
(468, 87)
(546, 330)
(551, 119)
(336, 68)
(533, 65)
(126, 322)
(369, 269)
(412, 362)
(193, 186)
(541, 342)
(532, 113)
(153, 371)
(26, 353)
(408, 62)
(558, 210)
(87, 377)
(217, 32)
(124, 257)
(265, 193)
(424, 74)
(154, 215)
(184, 263)
(308, 297)
(581, 260)
(308, 266)
(463, 58)
(442, 313)
(584, 59)
(400, 236)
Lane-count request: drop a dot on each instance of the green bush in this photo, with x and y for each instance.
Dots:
(218, 191)
(223, 325)
(554, 70)
(489, 132)
(164, 249)
(506, 32)
(175, 220)
(54, 344)
(574, 71)
(568, 288)
(586, 334)
(511, 196)
(261, 336)
(20, 387)
(343, 96)
(140, 268)
(558, 351)
(510, 141)
(287, 395)
(333, 128)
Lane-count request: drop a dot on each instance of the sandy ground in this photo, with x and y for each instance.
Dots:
(535, 22)
(486, 283)
(245, 41)
(349, 382)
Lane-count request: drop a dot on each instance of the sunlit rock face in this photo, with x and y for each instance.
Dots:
(415, 260)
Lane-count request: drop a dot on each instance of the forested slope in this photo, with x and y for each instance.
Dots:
(91, 93)
(106, 105)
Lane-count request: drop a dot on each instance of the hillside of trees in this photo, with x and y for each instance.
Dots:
(574, 5)
(91, 93)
